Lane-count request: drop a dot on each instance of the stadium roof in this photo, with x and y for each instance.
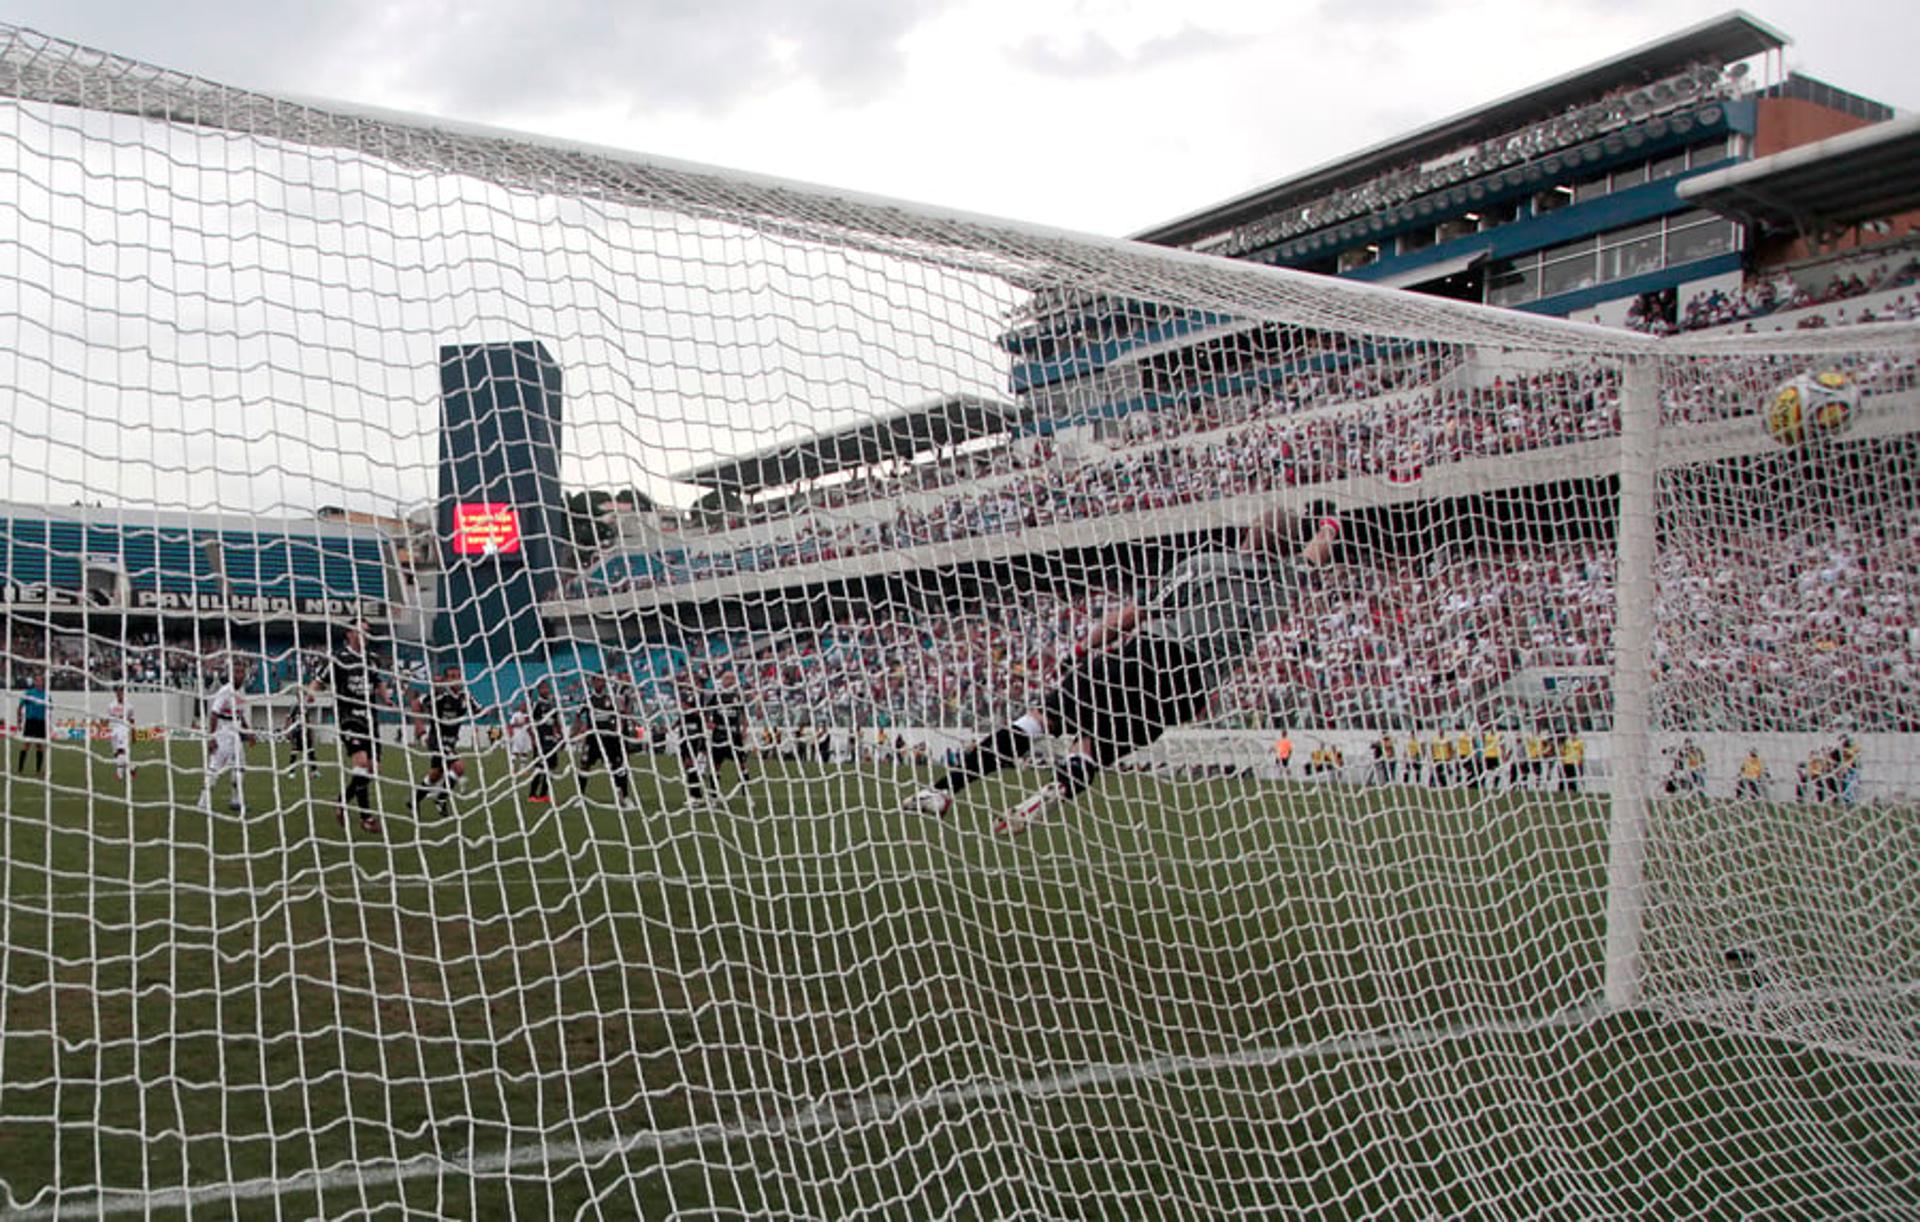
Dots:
(949, 420)
(1724, 39)
(1867, 174)
(134, 517)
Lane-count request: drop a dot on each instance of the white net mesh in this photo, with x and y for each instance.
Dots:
(968, 798)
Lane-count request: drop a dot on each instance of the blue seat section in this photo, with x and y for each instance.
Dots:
(182, 559)
(501, 687)
(43, 553)
(621, 569)
(504, 684)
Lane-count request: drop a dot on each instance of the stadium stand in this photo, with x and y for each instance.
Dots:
(1396, 643)
(197, 592)
(1398, 437)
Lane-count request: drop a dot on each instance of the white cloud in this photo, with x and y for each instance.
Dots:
(1104, 115)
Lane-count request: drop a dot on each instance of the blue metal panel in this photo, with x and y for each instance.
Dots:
(1531, 179)
(1633, 206)
(500, 439)
(1567, 304)
(1090, 358)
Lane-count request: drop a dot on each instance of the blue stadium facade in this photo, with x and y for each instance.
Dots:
(146, 563)
(1563, 199)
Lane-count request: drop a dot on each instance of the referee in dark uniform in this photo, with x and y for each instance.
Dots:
(33, 725)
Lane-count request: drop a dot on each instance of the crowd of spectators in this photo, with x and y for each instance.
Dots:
(1764, 620)
(71, 659)
(1401, 440)
(1404, 416)
(1397, 439)
(1393, 643)
(1808, 621)
(1767, 293)
(1341, 382)
(1709, 390)
(1760, 625)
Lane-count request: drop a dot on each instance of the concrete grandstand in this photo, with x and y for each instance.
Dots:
(865, 585)
(92, 597)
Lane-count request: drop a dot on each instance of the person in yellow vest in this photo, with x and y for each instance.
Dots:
(1536, 764)
(1491, 772)
(1442, 754)
(1283, 753)
(1466, 764)
(1814, 777)
(1696, 761)
(1382, 770)
(1849, 770)
(1753, 777)
(1410, 765)
(1573, 763)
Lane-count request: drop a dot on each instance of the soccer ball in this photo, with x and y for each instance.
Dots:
(1812, 406)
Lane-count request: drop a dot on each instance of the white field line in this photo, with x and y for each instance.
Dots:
(824, 1116)
(339, 884)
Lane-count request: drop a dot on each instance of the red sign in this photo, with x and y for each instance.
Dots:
(485, 528)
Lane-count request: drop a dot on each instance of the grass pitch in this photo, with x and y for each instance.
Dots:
(1181, 998)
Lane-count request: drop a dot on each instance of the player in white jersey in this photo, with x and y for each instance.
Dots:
(520, 734)
(226, 709)
(120, 734)
(1148, 667)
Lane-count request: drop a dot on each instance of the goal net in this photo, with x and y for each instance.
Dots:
(543, 682)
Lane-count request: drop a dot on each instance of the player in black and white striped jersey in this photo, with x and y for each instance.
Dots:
(603, 736)
(446, 709)
(356, 690)
(297, 730)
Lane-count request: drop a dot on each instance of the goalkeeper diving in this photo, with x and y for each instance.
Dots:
(1149, 666)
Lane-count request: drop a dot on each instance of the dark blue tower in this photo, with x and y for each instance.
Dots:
(501, 520)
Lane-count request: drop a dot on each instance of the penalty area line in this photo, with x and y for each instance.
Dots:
(825, 1116)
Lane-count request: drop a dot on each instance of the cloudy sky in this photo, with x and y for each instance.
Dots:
(1097, 115)
(237, 342)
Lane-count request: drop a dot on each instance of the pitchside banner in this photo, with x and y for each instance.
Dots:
(501, 518)
(258, 604)
(59, 598)
(162, 602)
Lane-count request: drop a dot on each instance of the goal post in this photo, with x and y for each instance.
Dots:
(1633, 583)
(957, 717)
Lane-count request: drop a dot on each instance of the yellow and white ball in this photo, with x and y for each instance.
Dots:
(1812, 406)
